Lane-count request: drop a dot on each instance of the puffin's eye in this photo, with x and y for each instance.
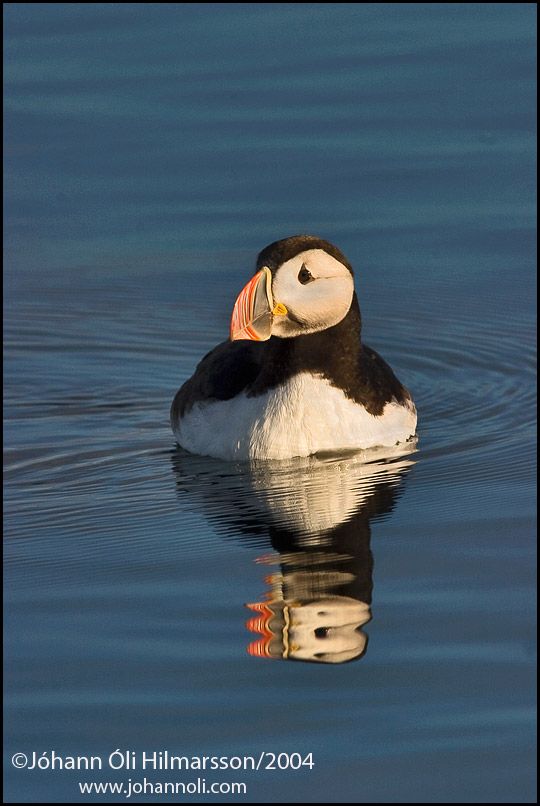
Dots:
(304, 275)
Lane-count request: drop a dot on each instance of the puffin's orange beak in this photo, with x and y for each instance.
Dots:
(254, 309)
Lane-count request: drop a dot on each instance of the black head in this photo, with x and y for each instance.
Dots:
(278, 252)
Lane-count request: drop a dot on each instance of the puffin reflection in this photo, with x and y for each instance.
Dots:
(315, 514)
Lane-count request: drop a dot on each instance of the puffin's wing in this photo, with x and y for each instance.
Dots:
(222, 374)
(383, 384)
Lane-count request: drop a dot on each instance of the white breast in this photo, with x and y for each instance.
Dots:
(303, 416)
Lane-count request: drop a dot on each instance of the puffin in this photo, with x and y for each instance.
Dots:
(294, 378)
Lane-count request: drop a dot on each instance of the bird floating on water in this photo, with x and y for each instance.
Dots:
(294, 379)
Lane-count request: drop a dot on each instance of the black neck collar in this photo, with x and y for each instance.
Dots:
(334, 353)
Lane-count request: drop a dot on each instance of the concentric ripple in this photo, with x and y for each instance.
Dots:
(473, 381)
(87, 397)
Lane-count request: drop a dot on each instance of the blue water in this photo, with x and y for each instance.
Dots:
(151, 152)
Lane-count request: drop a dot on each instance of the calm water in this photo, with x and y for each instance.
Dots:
(151, 152)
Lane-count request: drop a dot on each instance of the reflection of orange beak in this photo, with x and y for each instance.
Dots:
(254, 309)
(260, 624)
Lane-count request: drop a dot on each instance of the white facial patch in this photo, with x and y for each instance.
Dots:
(318, 304)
